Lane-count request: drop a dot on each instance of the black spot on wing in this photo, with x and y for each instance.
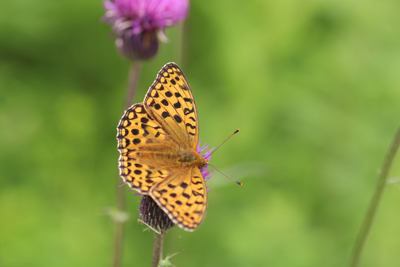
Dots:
(164, 102)
(177, 105)
(187, 111)
(191, 126)
(136, 141)
(178, 119)
(195, 193)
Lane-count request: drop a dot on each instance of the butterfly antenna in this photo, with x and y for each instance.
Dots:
(239, 183)
(224, 142)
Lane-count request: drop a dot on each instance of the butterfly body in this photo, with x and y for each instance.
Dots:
(157, 140)
(191, 158)
(171, 158)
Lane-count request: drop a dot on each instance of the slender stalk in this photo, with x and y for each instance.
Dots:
(157, 248)
(119, 225)
(118, 241)
(373, 206)
(182, 44)
(134, 73)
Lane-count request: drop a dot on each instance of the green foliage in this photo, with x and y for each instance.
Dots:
(313, 86)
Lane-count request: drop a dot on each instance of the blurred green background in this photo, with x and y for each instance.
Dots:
(313, 86)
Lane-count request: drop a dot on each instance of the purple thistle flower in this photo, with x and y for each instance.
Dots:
(207, 174)
(138, 22)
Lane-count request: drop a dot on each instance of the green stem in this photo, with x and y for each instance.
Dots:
(119, 225)
(157, 248)
(373, 206)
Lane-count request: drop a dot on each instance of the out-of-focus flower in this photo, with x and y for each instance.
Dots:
(153, 215)
(137, 23)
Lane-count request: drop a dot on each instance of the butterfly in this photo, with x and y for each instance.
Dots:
(157, 141)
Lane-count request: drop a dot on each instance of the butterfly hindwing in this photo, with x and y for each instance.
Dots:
(183, 196)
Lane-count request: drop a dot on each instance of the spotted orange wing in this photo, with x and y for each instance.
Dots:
(138, 133)
(171, 103)
(149, 133)
(183, 196)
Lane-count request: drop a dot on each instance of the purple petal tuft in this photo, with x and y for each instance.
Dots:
(145, 15)
(207, 174)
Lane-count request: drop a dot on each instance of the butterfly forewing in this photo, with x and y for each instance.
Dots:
(170, 101)
(138, 135)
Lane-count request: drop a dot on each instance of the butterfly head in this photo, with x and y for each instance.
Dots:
(202, 164)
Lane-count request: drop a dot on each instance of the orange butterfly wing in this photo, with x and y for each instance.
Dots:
(171, 103)
(150, 137)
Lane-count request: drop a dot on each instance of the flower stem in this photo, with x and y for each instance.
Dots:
(182, 44)
(118, 241)
(157, 248)
(119, 225)
(134, 73)
(373, 206)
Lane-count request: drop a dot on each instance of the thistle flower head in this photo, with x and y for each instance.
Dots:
(138, 22)
(153, 215)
